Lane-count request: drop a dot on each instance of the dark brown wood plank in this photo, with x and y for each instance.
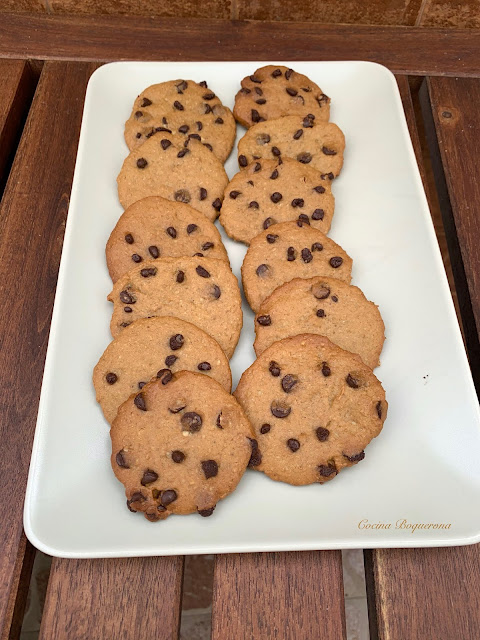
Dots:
(287, 596)
(32, 219)
(125, 599)
(402, 49)
(16, 91)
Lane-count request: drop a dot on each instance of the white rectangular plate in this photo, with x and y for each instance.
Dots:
(424, 467)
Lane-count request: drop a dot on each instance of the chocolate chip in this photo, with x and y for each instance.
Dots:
(355, 458)
(319, 189)
(165, 375)
(147, 273)
(271, 237)
(293, 445)
(268, 222)
(165, 143)
(258, 91)
(288, 382)
(254, 79)
(125, 324)
(205, 513)
(129, 238)
(111, 378)
(141, 163)
(261, 270)
(148, 477)
(169, 360)
(276, 151)
(291, 254)
(334, 299)
(322, 98)
(298, 202)
(216, 292)
(204, 366)
(256, 457)
(274, 175)
(242, 161)
(172, 232)
(193, 227)
(219, 421)
(177, 409)
(126, 297)
(141, 385)
(128, 309)
(182, 153)
(352, 382)
(298, 134)
(302, 219)
(146, 102)
(265, 428)
(265, 320)
(139, 402)
(120, 460)
(217, 204)
(260, 101)
(263, 138)
(203, 84)
(318, 214)
(322, 433)
(176, 342)
(274, 368)
(219, 121)
(324, 176)
(199, 125)
(138, 114)
(234, 194)
(336, 262)
(139, 135)
(280, 409)
(192, 421)
(304, 157)
(245, 91)
(180, 276)
(257, 167)
(378, 407)
(210, 468)
(329, 152)
(276, 197)
(193, 136)
(327, 470)
(182, 195)
(181, 86)
(288, 73)
(207, 245)
(184, 128)
(208, 96)
(203, 195)
(137, 258)
(253, 205)
(276, 73)
(136, 497)
(153, 251)
(178, 456)
(178, 105)
(317, 246)
(326, 371)
(320, 313)
(168, 496)
(256, 117)
(320, 291)
(291, 92)
(203, 273)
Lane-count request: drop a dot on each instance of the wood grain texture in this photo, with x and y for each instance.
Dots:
(17, 87)
(32, 220)
(22, 574)
(105, 38)
(120, 598)
(424, 594)
(286, 596)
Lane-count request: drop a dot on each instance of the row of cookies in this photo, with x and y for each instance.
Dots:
(177, 313)
(311, 395)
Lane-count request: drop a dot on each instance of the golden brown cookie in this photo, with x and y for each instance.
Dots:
(185, 107)
(272, 191)
(317, 144)
(155, 227)
(164, 166)
(180, 447)
(324, 306)
(202, 291)
(290, 250)
(155, 347)
(314, 408)
(276, 91)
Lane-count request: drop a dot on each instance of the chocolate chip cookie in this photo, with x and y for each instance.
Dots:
(203, 291)
(180, 170)
(155, 227)
(271, 191)
(317, 144)
(276, 91)
(290, 250)
(179, 446)
(185, 107)
(314, 408)
(324, 306)
(155, 347)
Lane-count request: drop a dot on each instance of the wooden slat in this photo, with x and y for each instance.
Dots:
(423, 593)
(122, 599)
(404, 50)
(16, 91)
(286, 596)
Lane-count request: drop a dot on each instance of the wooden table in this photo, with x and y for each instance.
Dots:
(45, 64)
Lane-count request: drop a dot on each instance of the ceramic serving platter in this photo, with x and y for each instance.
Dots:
(419, 484)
